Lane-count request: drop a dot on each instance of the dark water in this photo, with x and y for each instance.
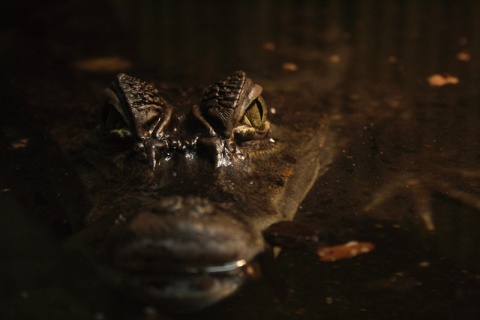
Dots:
(371, 59)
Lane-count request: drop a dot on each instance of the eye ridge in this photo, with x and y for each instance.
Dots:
(232, 113)
(135, 112)
(234, 109)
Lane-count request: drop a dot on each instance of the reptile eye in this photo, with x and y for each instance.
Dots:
(234, 109)
(253, 124)
(114, 122)
(134, 109)
(256, 114)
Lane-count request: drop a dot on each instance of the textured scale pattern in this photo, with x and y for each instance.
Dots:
(139, 93)
(146, 105)
(219, 102)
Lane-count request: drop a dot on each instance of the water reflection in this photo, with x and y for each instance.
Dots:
(371, 59)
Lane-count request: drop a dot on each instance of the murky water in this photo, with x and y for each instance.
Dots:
(404, 74)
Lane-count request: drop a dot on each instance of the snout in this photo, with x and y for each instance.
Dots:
(185, 233)
(184, 250)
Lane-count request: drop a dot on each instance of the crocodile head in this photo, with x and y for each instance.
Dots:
(190, 188)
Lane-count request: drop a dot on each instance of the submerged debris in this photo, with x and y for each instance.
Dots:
(103, 64)
(290, 66)
(464, 56)
(439, 80)
(20, 144)
(344, 251)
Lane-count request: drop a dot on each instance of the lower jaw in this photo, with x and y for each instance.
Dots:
(193, 293)
(185, 290)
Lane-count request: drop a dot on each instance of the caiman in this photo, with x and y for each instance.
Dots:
(181, 191)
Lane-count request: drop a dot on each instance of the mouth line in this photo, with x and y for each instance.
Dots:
(219, 268)
(159, 256)
(185, 269)
(185, 286)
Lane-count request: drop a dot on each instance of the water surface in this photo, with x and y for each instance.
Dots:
(370, 60)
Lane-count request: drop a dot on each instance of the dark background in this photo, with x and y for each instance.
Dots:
(371, 58)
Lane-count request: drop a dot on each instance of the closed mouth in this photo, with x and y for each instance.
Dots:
(181, 288)
(182, 259)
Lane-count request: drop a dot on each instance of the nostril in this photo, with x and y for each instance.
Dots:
(153, 242)
(191, 206)
(182, 234)
(168, 205)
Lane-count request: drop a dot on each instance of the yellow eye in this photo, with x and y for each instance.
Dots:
(253, 124)
(256, 114)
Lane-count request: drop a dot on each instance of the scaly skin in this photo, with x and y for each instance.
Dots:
(189, 189)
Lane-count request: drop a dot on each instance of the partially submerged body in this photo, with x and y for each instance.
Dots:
(181, 193)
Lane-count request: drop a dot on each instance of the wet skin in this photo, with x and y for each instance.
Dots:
(182, 188)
